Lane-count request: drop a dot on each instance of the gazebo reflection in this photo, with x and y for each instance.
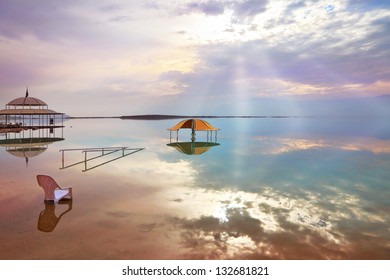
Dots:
(27, 147)
(193, 148)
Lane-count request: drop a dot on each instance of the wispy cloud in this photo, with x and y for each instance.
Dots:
(209, 7)
(242, 8)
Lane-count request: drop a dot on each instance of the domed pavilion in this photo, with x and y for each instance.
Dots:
(30, 113)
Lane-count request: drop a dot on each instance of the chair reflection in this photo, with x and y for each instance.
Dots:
(48, 220)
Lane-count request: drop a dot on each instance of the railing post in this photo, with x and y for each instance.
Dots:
(85, 159)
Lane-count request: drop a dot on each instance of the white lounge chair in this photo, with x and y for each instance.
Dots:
(53, 192)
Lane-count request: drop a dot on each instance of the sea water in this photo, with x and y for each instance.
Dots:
(259, 188)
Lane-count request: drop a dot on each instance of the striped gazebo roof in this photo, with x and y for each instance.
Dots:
(27, 101)
(29, 111)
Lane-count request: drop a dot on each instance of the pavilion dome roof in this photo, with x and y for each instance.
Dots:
(195, 124)
(27, 101)
(27, 152)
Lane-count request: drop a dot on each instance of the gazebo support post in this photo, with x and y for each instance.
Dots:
(193, 134)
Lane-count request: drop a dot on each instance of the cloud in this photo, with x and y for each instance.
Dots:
(43, 19)
(320, 54)
(242, 9)
(209, 7)
(220, 51)
(249, 8)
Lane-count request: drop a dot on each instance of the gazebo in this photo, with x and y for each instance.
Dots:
(194, 125)
(29, 126)
(29, 113)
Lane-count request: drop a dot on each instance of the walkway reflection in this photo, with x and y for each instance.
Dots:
(102, 152)
(48, 220)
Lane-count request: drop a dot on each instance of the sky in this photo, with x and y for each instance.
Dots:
(113, 58)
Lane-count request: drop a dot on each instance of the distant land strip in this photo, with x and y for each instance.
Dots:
(167, 117)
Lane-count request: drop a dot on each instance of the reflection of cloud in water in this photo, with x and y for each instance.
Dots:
(285, 145)
(194, 221)
(255, 200)
(147, 227)
(149, 169)
(228, 224)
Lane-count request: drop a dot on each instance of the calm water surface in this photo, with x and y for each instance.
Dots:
(271, 189)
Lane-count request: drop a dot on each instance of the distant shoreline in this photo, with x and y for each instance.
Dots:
(168, 117)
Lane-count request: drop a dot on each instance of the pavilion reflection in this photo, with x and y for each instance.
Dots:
(193, 148)
(28, 147)
(48, 220)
